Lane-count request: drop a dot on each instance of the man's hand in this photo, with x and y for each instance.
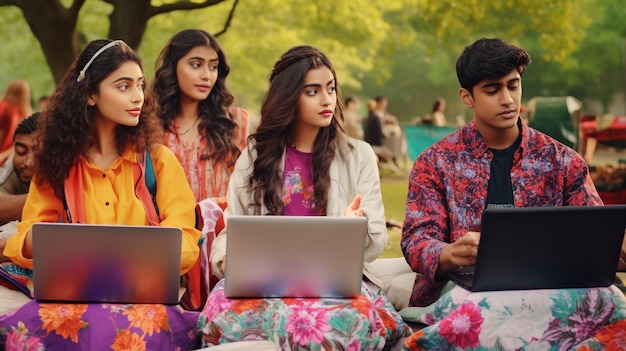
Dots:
(460, 253)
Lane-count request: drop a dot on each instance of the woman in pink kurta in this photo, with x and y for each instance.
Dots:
(203, 128)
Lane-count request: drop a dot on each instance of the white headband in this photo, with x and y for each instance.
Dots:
(81, 75)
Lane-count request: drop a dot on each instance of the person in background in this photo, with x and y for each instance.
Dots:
(352, 120)
(42, 102)
(374, 135)
(15, 177)
(99, 135)
(393, 135)
(14, 106)
(14, 185)
(300, 162)
(203, 128)
(437, 114)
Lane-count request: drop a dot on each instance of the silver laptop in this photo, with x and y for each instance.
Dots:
(546, 248)
(106, 263)
(294, 256)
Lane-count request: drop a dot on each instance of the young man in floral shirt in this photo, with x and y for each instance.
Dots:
(496, 160)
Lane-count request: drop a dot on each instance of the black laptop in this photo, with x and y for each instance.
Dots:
(546, 248)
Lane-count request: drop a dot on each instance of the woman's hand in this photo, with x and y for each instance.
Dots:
(354, 209)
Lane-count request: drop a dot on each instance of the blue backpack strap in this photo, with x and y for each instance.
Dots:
(151, 180)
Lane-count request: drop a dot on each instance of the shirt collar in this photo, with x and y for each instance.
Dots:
(476, 143)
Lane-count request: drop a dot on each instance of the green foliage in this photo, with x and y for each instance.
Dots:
(405, 49)
(394, 191)
(21, 56)
(596, 69)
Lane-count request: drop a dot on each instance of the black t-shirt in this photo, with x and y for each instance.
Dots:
(500, 190)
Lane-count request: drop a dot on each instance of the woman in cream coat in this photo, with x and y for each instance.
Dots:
(300, 162)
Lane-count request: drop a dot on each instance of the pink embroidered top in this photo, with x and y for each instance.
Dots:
(298, 184)
(206, 178)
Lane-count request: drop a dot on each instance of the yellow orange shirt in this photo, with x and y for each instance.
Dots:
(110, 199)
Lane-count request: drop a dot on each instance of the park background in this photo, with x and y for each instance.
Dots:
(403, 49)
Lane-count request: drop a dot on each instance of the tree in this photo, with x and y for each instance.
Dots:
(54, 25)
(404, 49)
(424, 68)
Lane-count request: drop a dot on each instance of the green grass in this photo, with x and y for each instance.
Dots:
(394, 191)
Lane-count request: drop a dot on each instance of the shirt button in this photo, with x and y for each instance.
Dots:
(106, 203)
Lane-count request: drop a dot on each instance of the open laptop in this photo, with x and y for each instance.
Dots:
(294, 256)
(106, 263)
(546, 248)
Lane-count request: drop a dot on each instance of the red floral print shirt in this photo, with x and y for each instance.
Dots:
(448, 190)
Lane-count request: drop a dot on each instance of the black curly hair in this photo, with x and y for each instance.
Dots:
(278, 113)
(216, 124)
(67, 123)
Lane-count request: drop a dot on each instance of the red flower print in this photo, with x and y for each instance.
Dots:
(614, 336)
(462, 327)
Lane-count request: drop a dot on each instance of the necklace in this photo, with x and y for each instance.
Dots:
(189, 129)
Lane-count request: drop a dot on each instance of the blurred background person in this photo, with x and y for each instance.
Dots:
(14, 107)
(15, 176)
(393, 135)
(438, 116)
(374, 132)
(42, 102)
(352, 120)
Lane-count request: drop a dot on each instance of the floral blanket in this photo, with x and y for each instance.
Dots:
(368, 322)
(48, 326)
(559, 320)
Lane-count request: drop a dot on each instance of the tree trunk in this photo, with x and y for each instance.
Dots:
(128, 21)
(54, 27)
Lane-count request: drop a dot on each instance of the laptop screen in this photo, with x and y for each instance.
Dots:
(106, 263)
(294, 256)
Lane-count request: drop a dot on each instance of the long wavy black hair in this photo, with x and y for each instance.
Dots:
(216, 124)
(278, 114)
(67, 123)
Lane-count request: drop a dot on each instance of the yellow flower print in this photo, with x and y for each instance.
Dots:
(125, 340)
(63, 319)
(149, 318)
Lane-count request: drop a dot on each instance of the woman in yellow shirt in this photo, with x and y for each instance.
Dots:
(95, 135)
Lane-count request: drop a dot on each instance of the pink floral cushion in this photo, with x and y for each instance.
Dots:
(366, 322)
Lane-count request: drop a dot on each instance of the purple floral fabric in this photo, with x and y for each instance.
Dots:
(36, 326)
(51, 326)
